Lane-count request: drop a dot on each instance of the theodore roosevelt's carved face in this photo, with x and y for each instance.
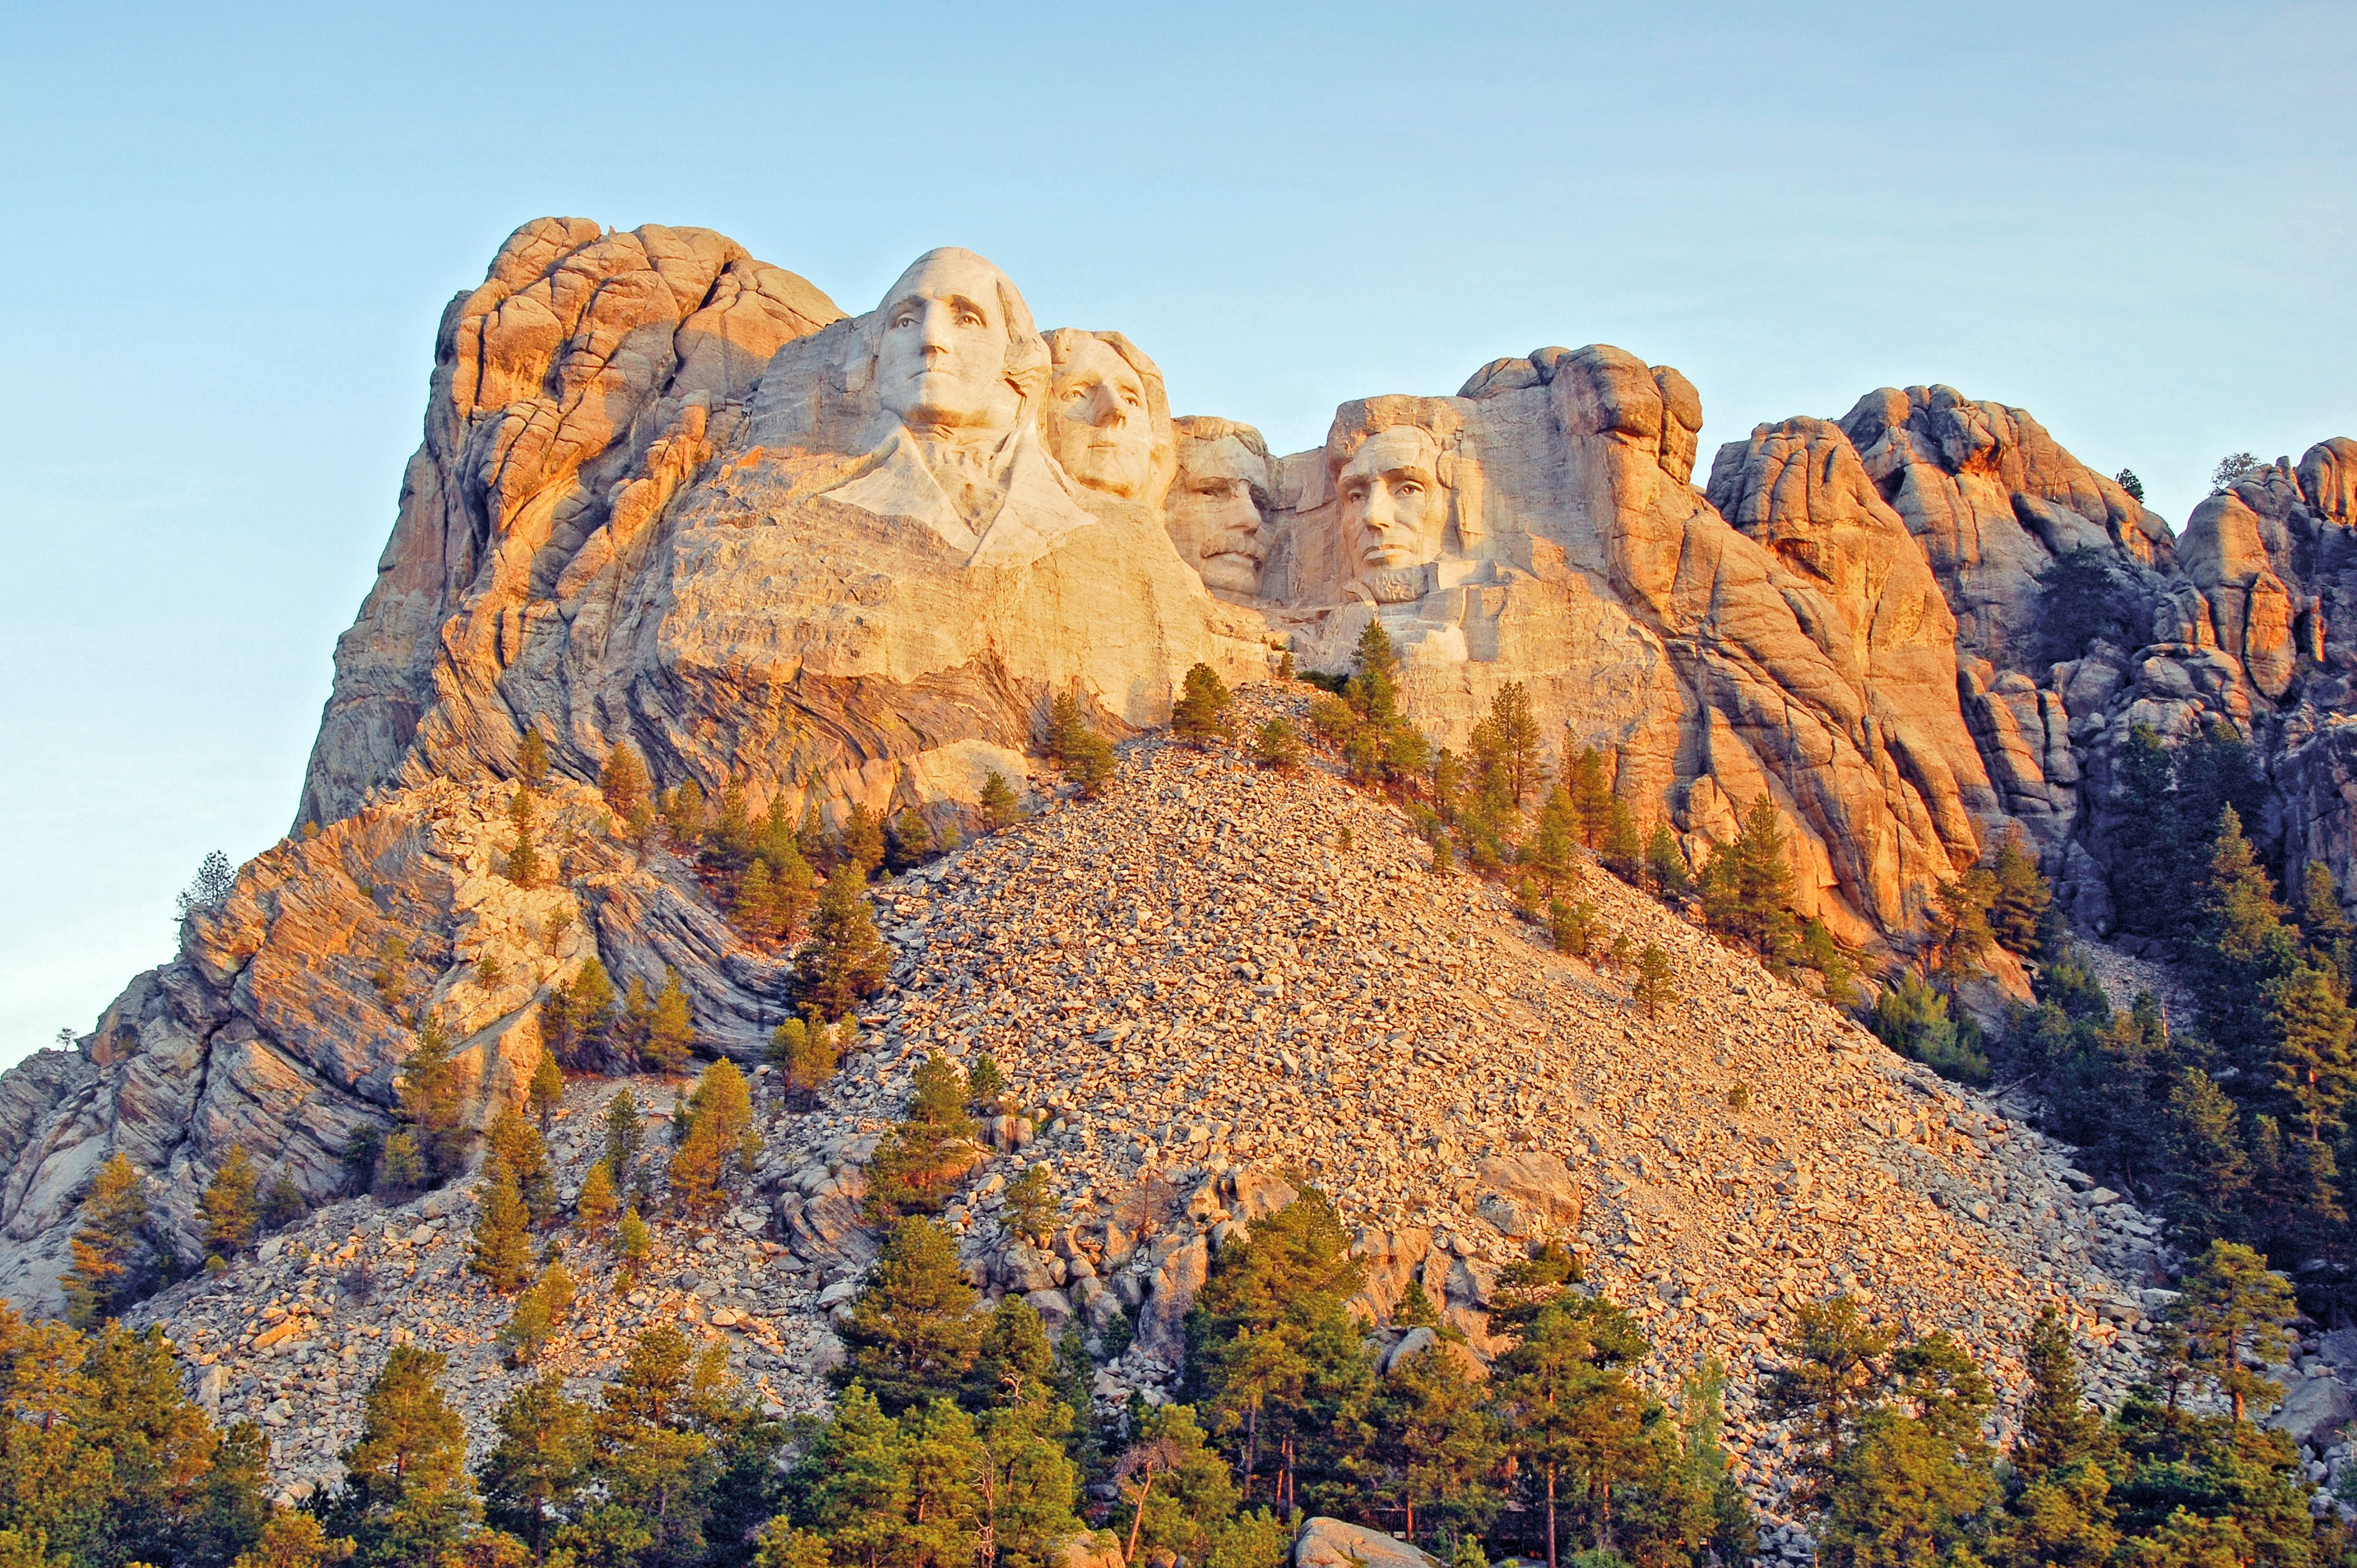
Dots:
(940, 361)
(1394, 508)
(1097, 426)
(1215, 512)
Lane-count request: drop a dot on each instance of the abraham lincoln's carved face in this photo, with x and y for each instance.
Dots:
(1394, 508)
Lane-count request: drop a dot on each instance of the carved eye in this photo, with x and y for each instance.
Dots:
(968, 318)
(1409, 487)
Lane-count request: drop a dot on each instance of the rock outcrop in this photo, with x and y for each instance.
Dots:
(674, 498)
(1192, 987)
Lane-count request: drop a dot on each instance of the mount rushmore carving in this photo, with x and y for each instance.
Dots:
(672, 497)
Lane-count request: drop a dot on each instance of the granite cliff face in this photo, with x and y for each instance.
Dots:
(671, 496)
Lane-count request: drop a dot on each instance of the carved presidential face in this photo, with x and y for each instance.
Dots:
(1097, 424)
(940, 359)
(1215, 512)
(1393, 506)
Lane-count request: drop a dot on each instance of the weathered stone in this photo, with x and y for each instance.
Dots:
(1330, 1543)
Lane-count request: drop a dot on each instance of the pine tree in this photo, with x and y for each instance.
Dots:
(1572, 927)
(1569, 1413)
(292, 1539)
(1074, 745)
(1589, 780)
(502, 1237)
(526, 866)
(580, 1019)
(805, 1054)
(1201, 713)
(2058, 1431)
(913, 1333)
(517, 1144)
(845, 961)
(113, 1254)
(231, 1208)
(2233, 1312)
(632, 1024)
(683, 813)
(911, 841)
(1620, 848)
(406, 1498)
(2315, 1067)
(2241, 943)
(428, 1089)
(400, 1169)
(998, 803)
(532, 757)
(623, 781)
(534, 1479)
(1027, 1207)
(728, 839)
(1276, 746)
(863, 840)
(1835, 1369)
(1435, 1446)
(2021, 896)
(670, 1033)
(633, 1244)
(626, 1136)
(538, 1312)
(282, 1203)
(699, 1170)
(2209, 1170)
(1665, 864)
(547, 1089)
(594, 1209)
(1652, 991)
(755, 909)
(1820, 953)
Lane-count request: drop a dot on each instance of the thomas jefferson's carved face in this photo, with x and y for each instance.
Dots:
(1214, 513)
(942, 357)
(1097, 426)
(1393, 506)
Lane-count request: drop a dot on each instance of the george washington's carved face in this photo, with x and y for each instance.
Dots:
(1394, 510)
(1215, 512)
(942, 356)
(1097, 420)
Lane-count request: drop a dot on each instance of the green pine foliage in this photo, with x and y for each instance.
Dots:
(116, 1259)
(999, 805)
(629, 793)
(231, 1208)
(845, 961)
(1075, 745)
(913, 1333)
(406, 1497)
(1201, 712)
(1911, 1016)
(104, 1460)
(547, 1089)
(502, 1252)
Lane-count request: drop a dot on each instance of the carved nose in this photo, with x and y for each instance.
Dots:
(1105, 410)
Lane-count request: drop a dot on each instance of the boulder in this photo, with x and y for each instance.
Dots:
(1330, 1543)
(2314, 1410)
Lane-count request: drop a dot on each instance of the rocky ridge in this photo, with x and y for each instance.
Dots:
(1200, 997)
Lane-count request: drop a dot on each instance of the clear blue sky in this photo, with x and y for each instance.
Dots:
(233, 229)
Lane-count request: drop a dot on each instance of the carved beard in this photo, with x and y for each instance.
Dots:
(1402, 584)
